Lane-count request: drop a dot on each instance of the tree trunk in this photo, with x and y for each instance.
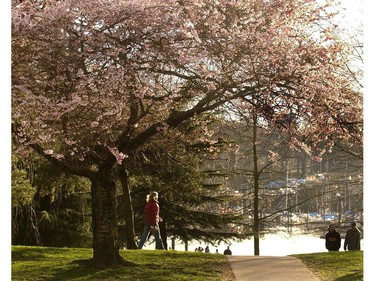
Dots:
(256, 188)
(256, 217)
(104, 219)
(129, 213)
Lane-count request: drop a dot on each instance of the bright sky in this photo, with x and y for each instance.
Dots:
(353, 10)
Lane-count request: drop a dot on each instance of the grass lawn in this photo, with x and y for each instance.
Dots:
(339, 266)
(46, 263)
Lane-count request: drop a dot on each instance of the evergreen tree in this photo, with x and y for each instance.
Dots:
(190, 207)
(48, 207)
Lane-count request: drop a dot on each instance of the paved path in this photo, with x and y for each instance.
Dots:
(264, 268)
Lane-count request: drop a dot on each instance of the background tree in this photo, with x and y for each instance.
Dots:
(48, 207)
(94, 82)
(190, 203)
(24, 219)
(259, 150)
(173, 166)
(279, 186)
(63, 206)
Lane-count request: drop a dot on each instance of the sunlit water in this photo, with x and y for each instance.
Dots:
(281, 244)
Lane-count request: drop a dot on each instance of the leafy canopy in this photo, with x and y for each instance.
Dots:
(98, 77)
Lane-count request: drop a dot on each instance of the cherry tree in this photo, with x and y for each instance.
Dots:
(94, 81)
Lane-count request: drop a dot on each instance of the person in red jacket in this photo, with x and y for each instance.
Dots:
(152, 219)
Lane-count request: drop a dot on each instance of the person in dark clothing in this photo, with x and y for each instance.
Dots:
(162, 223)
(333, 239)
(207, 249)
(352, 238)
(227, 251)
(163, 234)
(152, 219)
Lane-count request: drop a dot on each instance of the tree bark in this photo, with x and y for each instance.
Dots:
(129, 213)
(104, 219)
(256, 187)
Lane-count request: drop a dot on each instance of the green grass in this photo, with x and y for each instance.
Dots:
(46, 263)
(339, 266)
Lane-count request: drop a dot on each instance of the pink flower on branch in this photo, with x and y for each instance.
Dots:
(119, 155)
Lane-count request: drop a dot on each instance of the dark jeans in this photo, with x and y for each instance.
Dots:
(156, 233)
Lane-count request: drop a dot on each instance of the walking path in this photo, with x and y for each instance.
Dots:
(269, 268)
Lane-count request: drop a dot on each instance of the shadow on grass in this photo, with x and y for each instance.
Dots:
(356, 276)
(88, 263)
(37, 253)
(25, 254)
(84, 270)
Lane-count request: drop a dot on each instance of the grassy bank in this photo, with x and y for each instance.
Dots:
(42, 263)
(329, 266)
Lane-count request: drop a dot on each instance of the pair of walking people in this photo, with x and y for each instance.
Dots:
(352, 238)
(152, 219)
